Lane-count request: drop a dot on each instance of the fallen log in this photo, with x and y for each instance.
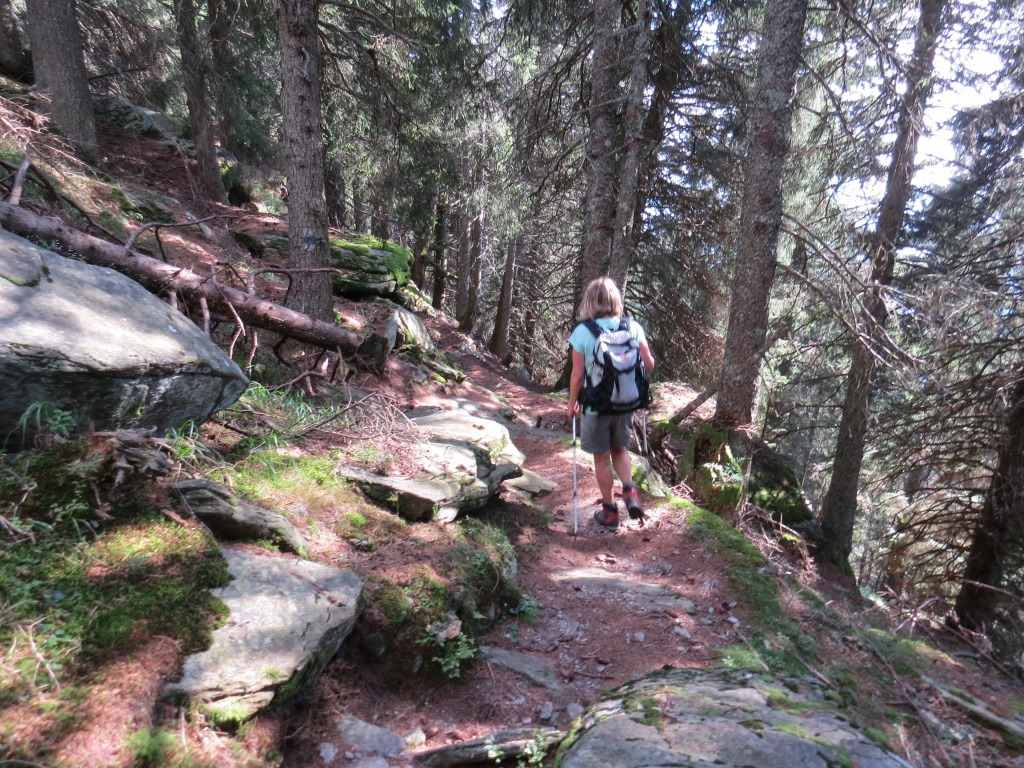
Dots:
(159, 277)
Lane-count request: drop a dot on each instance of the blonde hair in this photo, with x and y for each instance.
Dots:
(601, 299)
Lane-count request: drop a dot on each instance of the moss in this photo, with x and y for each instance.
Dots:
(792, 729)
(253, 244)
(879, 738)
(775, 487)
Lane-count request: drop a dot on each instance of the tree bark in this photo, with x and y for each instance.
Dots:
(604, 97)
(628, 176)
(229, 107)
(159, 278)
(196, 74)
(1000, 525)
(60, 69)
(498, 344)
(476, 263)
(358, 206)
(310, 293)
(14, 58)
(761, 209)
(839, 506)
(460, 228)
(440, 269)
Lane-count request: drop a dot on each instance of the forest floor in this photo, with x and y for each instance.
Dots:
(595, 639)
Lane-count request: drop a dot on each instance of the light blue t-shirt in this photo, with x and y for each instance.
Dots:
(583, 341)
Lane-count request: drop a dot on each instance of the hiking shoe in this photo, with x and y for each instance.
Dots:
(608, 516)
(632, 500)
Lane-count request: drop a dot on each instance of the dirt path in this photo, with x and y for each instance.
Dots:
(595, 635)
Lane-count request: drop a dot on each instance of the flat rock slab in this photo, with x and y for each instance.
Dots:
(288, 618)
(721, 718)
(598, 579)
(533, 668)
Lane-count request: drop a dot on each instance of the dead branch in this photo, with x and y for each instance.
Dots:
(160, 278)
(19, 182)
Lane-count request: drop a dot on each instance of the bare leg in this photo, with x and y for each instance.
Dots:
(603, 473)
(623, 466)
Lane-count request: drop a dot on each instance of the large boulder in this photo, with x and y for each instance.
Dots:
(727, 718)
(288, 619)
(91, 342)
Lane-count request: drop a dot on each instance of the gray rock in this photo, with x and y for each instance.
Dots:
(698, 719)
(532, 483)
(376, 347)
(229, 517)
(492, 749)
(328, 752)
(366, 737)
(533, 668)
(462, 462)
(412, 499)
(413, 331)
(91, 342)
(288, 619)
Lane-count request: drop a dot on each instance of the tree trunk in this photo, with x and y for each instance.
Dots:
(60, 69)
(419, 261)
(159, 277)
(604, 97)
(628, 176)
(460, 228)
(310, 293)
(498, 344)
(236, 125)
(476, 264)
(334, 186)
(380, 226)
(358, 206)
(761, 211)
(14, 58)
(1000, 525)
(839, 506)
(440, 271)
(196, 74)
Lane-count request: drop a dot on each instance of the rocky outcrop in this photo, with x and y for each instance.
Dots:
(99, 347)
(288, 618)
(229, 517)
(366, 267)
(726, 718)
(462, 461)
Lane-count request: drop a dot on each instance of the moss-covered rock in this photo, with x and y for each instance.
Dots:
(369, 267)
(775, 487)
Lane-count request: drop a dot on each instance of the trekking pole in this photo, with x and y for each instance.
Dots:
(575, 500)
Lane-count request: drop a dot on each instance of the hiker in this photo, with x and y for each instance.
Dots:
(606, 434)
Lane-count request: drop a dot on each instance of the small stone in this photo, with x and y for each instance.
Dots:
(683, 633)
(547, 711)
(574, 710)
(328, 752)
(733, 603)
(415, 738)
(640, 637)
(527, 720)
(734, 621)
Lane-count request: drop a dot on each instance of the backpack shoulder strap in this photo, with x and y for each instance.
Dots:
(593, 327)
(624, 323)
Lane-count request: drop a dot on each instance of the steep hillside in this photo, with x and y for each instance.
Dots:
(576, 603)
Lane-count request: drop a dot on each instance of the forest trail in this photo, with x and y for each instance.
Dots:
(606, 613)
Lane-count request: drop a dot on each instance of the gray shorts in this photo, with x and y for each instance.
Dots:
(599, 434)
